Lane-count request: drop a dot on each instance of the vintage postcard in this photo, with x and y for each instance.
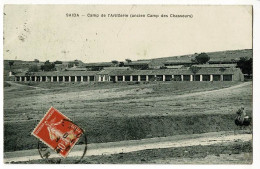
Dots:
(128, 84)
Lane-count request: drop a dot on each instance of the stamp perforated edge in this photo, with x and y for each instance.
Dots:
(32, 133)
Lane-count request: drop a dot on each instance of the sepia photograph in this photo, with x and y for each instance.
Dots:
(128, 84)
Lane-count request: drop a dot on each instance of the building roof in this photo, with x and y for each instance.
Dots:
(116, 72)
(76, 69)
(223, 60)
(217, 65)
(139, 62)
(100, 64)
(117, 68)
(169, 71)
(59, 73)
(174, 67)
(178, 62)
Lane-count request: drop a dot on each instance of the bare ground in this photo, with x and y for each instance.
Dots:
(117, 112)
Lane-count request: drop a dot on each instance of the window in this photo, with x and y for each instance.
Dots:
(85, 78)
(38, 78)
(135, 78)
(112, 78)
(159, 77)
(177, 77)
(92, 78)
(186, 77)
(143, 77)
(120, 78)
(168, 77)
(44, 78)
(151, 78)
(216, 77)
(206, 78)
(66, 78)
(60, 78)
(78, 78)
(227, 77)
(127, 78)
(55, 78)
(72, 78)
(196, 77)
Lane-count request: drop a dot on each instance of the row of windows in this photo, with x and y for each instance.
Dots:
(127, 78)
(170, 78)
(55, 78)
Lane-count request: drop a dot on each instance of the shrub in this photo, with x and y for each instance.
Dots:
(201, 58)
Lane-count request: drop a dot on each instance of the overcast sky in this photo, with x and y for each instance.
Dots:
(45, 33)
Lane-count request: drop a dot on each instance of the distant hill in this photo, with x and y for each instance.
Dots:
(220, 55)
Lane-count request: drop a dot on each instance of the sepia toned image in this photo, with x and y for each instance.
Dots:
(128, 84)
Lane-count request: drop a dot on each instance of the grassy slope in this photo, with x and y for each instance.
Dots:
(104, 120)
(116, 99)
(220, 55)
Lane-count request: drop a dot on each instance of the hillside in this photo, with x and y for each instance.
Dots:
(220, 56)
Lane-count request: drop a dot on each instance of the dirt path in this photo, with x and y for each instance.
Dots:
(136, 145)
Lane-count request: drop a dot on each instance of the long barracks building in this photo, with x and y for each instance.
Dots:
(128, 75)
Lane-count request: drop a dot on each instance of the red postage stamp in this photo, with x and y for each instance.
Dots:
(58, 132)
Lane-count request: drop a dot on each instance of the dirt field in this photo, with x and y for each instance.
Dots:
(121, 111)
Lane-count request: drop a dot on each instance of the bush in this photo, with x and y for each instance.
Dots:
(48, 66)
(201, 58)
(36, 61)
(246, 65)
(58, 62)
(33, 68)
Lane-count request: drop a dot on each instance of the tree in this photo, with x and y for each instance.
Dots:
(33, 68)
(128, 60)
(121, 64)
(194, 69)
(11, 63)
(246, 65)
(58, 62)
(76, 62)
(36, 61)
(48, 66)
(201, 58)
(71, 64)
(115, 62)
